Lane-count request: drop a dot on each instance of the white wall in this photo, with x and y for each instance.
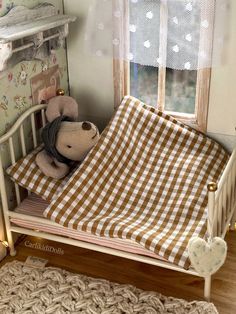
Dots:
(222, 106)
(90, 77)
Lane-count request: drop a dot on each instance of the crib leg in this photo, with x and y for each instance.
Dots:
(232, 225)
(11, 244)
(13, 252)
(207, 288)
(233, 220)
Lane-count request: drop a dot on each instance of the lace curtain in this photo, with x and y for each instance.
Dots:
(178, 34)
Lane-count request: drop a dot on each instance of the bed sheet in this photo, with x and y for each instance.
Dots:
(33, 205)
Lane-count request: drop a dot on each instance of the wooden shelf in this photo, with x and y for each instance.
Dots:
(30, 28)
(31, 33)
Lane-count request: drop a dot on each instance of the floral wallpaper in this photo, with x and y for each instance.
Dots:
(15, 87)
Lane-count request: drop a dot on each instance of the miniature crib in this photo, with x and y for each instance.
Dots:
(221, 207)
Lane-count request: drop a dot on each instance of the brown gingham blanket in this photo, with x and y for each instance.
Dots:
(145, 180)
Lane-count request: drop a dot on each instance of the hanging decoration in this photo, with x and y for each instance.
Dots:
(207, 257)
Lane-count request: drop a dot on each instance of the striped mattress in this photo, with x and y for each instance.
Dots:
(144, 181)
(34, 206)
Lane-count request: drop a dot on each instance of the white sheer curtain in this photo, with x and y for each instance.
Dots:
(177, 34)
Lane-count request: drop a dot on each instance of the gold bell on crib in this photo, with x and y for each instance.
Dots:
(60, 92)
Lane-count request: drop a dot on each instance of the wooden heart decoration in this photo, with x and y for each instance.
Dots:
(206, 257)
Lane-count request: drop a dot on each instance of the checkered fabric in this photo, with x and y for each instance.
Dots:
(145, 180)
(28, 175)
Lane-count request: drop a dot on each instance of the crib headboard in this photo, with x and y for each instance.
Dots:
(7, 138)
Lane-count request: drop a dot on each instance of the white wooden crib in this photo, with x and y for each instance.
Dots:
(221, 202)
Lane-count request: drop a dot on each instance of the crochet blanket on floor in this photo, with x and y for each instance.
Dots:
(145, 180)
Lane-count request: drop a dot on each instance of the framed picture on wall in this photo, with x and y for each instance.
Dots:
(45, 84)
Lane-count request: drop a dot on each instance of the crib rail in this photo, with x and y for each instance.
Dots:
(222, 201)
(18, 125)
(30, 112)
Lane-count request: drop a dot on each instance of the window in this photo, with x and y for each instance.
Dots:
(181, 93)
(180, 88)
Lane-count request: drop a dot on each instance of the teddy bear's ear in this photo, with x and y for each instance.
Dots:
(62, 106)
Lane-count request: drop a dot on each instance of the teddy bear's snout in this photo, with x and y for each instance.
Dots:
(86, 126)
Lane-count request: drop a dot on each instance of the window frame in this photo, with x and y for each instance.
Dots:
(121, 68)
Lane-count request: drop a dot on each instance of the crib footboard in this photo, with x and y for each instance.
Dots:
(221, 208)
(222, 201)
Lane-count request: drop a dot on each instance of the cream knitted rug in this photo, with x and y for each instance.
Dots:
(25, 290)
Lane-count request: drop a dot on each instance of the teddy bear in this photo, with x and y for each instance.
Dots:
(65, 140)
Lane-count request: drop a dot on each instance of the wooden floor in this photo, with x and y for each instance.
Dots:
(141, 275)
